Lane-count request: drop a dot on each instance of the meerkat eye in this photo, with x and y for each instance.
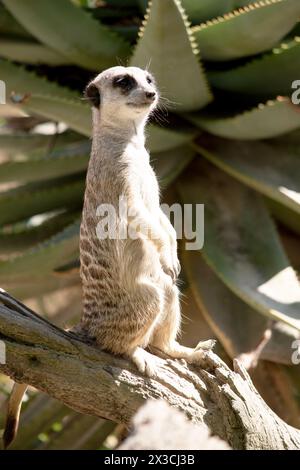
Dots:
(149, 79)
(126, 82)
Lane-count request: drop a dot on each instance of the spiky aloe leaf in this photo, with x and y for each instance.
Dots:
(270, 169)
(250, 262)
(142, 5)
(242, 3)
(36, 95)
(238, 326)
(161, 139)
(74, 113)
(30, 52)
(278, 349)
(284, 214)
(34, 286)
(49, 255)
(67, 160)
(9, 27)
(18, 146)
(276, 387)
(232, 36)
(25, 201)
(268, 120)
(290, 242)
(94, 47)
(294, 374)
(199, 11)
(271, 74)
(18, 238)
(292, 139)
(167, 48)
(169, 164)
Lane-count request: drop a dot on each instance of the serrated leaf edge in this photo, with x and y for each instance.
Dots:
(189, 30)
(236, 13)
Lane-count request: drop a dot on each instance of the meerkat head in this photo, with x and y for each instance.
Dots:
(123, 93)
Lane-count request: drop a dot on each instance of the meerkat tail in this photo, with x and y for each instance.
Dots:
(13, 413)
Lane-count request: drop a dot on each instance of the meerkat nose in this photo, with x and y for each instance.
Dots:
(150, 95)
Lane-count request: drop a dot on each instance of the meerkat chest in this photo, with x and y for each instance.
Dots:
(143, 179)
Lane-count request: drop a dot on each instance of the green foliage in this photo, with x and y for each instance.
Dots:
(250, 262)
(270, 74)
(169, 52)
(225, 68)
(30, 52)
(248, 31)
(268, 168)
(95, 47)
(269, 119)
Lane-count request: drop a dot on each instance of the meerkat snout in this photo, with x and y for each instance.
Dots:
(150, 94)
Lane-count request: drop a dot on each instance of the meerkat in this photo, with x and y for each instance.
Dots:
(130, 297)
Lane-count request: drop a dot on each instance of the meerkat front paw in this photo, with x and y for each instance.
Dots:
(144, 362)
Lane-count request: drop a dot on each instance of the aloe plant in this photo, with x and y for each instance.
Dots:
(230, 139)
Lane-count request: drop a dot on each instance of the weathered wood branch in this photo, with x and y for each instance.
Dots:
(96, 383)
(158, 426)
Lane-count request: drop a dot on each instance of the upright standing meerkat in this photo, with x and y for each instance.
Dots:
(130, 297)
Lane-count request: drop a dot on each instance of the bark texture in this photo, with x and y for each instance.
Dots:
(96, 383)
(158, 426)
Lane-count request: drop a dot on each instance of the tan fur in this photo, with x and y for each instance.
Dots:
(130, 299)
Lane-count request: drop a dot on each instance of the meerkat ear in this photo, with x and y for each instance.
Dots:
(92, 94)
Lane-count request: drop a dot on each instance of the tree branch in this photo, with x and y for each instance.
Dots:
(158, 426)
(96, 383)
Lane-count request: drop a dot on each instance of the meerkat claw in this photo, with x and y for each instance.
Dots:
(170, 272)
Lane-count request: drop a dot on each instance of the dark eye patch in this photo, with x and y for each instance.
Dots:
(124, 82)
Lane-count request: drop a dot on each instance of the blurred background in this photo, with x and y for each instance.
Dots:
(226, 134)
